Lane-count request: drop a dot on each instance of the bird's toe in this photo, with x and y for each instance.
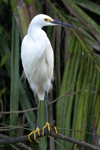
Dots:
(34, 132)
(47, 125)
(55, 129)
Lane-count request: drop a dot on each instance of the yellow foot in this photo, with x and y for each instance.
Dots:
(34, 132)
(47, 125)
(55, 129)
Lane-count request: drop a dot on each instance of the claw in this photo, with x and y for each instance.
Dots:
(34, 132)
(47, 125)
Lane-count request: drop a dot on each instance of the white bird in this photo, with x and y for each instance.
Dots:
(38, 61)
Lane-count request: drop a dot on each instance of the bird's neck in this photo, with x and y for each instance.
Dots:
(35, 32)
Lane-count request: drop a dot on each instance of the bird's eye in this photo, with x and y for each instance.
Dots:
(46, 20)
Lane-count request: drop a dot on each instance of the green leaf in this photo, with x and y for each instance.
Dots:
(5, 1)
(89, 6)
(2, 92)
(1, 29)
(42, 122)
(4, 59)
(28, 2)
(42, 113)
(14, 94)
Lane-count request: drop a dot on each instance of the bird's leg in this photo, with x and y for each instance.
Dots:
(37, 129)
(38, 101)
(38, 104)
(46, 98)
(47, 123)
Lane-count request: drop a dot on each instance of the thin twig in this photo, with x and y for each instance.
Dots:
(28, 110)
(78, 131)
(56, 142)
(14, 147)
(67, 95)
(22, 111)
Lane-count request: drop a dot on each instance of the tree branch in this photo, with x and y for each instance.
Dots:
(18, 145)
(53, 134)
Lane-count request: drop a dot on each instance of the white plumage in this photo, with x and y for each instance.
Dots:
(37, 56)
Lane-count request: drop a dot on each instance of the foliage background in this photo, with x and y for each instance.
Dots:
(77, 65)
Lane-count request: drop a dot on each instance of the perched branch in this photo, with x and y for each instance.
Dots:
(53, 134)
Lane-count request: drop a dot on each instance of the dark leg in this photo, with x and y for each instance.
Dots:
(47, 123)
(37, 129)
(37, 110)
(46, 98)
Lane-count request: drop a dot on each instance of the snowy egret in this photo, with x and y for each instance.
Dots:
(38, 61)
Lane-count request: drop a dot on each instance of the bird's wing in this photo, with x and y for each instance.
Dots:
(49, 60)
(31, 53)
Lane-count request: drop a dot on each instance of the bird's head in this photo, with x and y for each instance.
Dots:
(44, 20)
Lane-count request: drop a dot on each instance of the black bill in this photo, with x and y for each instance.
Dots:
(62, 23)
